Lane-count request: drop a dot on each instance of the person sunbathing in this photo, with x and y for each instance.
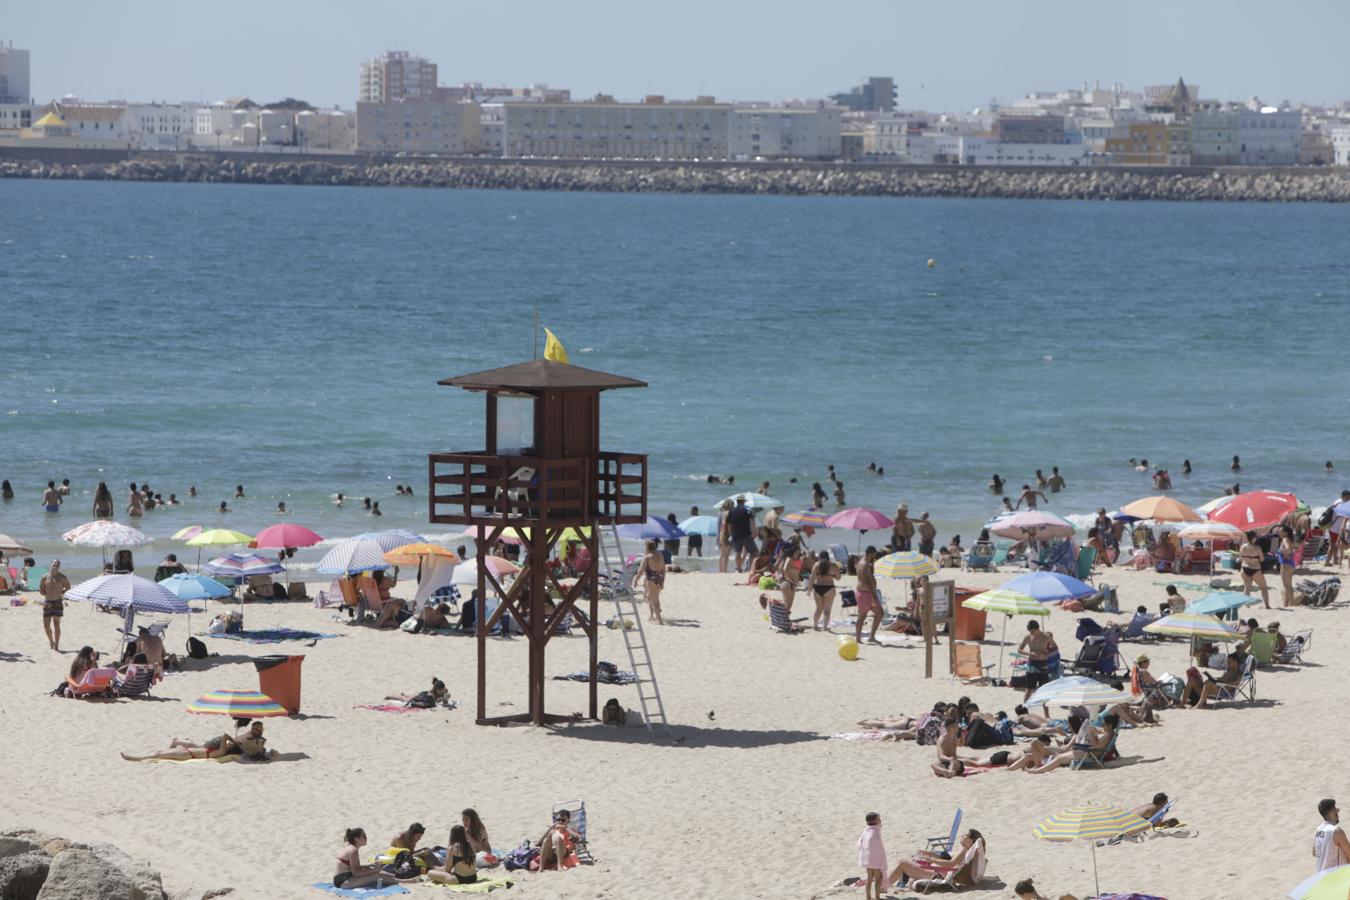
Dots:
(180, 750)
(557, 845)
(459, 861)
(151, 645)
(925, 865)
(1087, 741)
(1033, 756)
(954, 768)
(439, 695)
(393, 614)
(435, 617)
(1150, 809)
(1029, 724)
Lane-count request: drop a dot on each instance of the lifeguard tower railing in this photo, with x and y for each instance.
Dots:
(484, 489)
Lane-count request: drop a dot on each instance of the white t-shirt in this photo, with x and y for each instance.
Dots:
(1328, 854)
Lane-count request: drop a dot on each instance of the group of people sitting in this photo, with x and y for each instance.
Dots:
(141, 667)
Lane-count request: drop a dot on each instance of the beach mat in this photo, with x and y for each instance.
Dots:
(273, 636)
(481, 886)
(361, 892)
(232, 757)
(600, 677)
(400, 708)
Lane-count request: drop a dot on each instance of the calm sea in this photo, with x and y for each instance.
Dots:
(290, 340)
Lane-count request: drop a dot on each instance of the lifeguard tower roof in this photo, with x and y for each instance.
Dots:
(541, 375)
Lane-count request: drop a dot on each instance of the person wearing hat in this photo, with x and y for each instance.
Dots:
(1330, 845)
(1143, 682)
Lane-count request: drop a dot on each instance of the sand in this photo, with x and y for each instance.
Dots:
(755, 802)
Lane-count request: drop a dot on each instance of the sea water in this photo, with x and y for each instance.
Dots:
(289, 339)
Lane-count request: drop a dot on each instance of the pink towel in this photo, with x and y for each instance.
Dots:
(395, 708)
(872, 853)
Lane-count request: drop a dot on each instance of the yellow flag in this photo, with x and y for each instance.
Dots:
(553, 348)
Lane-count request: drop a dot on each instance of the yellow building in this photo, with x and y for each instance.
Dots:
(1146, 145)
(49, 126)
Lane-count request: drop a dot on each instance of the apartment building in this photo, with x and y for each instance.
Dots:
(602, 128)
(419, 127)
(809, 132)
(397, 75)
(14, 84)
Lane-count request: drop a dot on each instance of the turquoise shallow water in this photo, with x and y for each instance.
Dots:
(290, 339)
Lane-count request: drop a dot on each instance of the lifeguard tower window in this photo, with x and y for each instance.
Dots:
(515, 425)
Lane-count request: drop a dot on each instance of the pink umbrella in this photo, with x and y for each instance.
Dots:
(859, 519)
(287, 534)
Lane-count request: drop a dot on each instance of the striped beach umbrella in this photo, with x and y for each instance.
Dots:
(906, 564)
(1048, 587)
(1161, 509)
(218, 537)
(1192, 625)
(1010, 603)
(243, 565)
(390, 539)
(813, 517)
(186, 532)
(355, 555)
(1328, 884)
(236, 704)
(1076, 690)
(121, 591)
(106, 533)
(1220, 603)
(1091, 824)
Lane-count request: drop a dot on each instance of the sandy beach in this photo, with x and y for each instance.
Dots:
(750, 800)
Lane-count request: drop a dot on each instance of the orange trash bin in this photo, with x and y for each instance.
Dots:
(969, 622)
(279, 678)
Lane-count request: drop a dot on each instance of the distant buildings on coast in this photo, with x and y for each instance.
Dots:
(402, 109)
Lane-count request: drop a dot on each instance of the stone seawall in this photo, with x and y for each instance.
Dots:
(1281, 185)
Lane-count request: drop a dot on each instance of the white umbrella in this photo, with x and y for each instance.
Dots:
(106, 533)
(11, 547)
(1076, 690)
(390, 539)
(131, 594)
(756, 501)
(353, 555)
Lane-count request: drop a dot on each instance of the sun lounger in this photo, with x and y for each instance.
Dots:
(944, 843)
(969, 666)
(1001, 551)
(1293, 650)
(968, 873)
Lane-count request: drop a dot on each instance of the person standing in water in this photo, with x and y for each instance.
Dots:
(51, 498)
(134, 502)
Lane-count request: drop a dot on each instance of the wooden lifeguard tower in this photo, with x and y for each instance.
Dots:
(542, 471)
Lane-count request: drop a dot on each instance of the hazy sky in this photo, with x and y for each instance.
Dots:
(944, 55)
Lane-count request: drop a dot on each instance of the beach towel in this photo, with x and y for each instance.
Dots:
(481, 886)
(361, 892)
(400, 708)
(273, 636)
(232, 757)
(876, 734)
(602, 677)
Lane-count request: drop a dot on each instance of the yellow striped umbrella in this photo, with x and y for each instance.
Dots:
(219, 537)
(1192, 625)
(1090, 823)
(906, 564)
(1012, 603)
(190, 531)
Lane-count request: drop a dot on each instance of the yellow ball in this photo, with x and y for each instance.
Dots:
(932, 263)
(847, 647)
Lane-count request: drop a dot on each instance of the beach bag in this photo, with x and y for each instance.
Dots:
(195, 648)
(404, 866)
(1325, 518)
(411, 625)
(930, 731)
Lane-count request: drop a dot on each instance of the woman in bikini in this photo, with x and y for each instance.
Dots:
(653, 576)
(180, 751)
(822, 587)
(134, 502)
(1250, 557)
(475, 831)
(103, 501)
(790, 574)
(459, 861)
(1288, 547)
(351, 874)
(925, 865)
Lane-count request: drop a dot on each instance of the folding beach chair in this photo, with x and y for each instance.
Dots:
(136, 683)
(1262, 647)
(981, 561)
(1293, 650)
(968, 873)
(945, 843)
(780, 622)
(969, 666)
(1245, 689)
(1001, 551)
(1089, 656)
(577, 810)
(94, 683)
(1095, 757)
(1087, 556)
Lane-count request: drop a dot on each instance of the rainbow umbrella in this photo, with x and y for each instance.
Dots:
(906, 564)
(1091, 824)
(1010, 603)
(1328, 884)
(236, 704)
(812, 517)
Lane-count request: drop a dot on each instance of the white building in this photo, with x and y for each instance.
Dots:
(419, 127)
(13, 117)
(95, 124)
(977, 151)
(325, 129)
(160, 126)
(14, 86)
(1269, 137)
(1340, 143)
(933, 149)
(810, 132)
(604, 129)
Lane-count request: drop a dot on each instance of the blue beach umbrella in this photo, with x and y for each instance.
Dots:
(390, 539)
(243, 565)
(354, 555)
(704, 525)
(121, 591)
(655, 528)
(1221, 603)
(1049, 587)
(194, 587)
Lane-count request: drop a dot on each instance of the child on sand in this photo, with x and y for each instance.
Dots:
(872, 857)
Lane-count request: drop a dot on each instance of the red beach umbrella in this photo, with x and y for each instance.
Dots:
(1255, 510)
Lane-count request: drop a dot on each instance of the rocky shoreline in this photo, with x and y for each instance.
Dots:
(1309, 185)
(35, 865)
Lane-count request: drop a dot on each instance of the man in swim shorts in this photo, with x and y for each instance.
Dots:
(51, 498)
(866, 592)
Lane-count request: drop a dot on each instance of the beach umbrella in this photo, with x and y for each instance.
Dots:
(704, 525)
(188, 531)
(1220, 603)
(1091, 824)
(284, 536)
(860, 519)
(1161, 509)
(11, 547)
(1033, 524)
(1328, 884)
(1211, 531)
(1048, 587)
(355, 555)
(1255, 510)
(467, 572)
(755, 501)
(655, 528)
(194, 587)
(413, 554)
(120, 591)
(1010, 603)
(906, 564)
(1211, 505)
(1192, 625)
(236, 705)
(1076, 690)
(509, 535)
(218, 537)
(390, 538)
(1342, 509)
(243, 565)
(808, 517)
(106, 533)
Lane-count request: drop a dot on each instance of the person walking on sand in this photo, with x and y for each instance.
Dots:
(1028, 497)
(927, 534)
(872, 857)
(1250, 557)
(653, 576)
(53, 587)
(866, 592)
(740, 525)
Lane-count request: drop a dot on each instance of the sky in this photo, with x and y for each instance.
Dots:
(944, 56)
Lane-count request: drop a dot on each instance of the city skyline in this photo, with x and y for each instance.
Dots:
(312, 50)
